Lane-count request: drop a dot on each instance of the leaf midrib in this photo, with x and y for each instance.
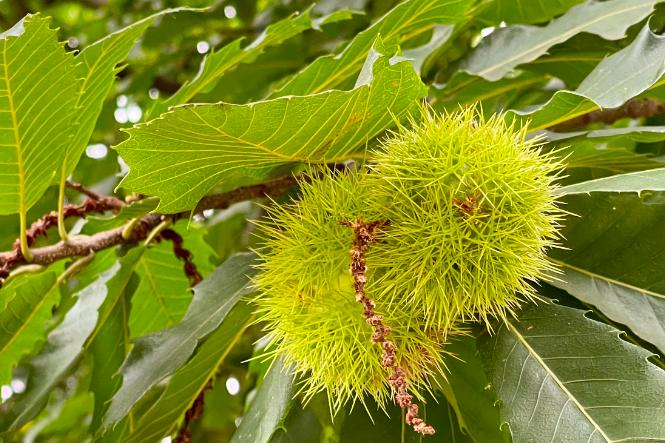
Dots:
(155, 291)
(554, 377)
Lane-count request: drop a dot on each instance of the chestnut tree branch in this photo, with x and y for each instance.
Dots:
(635, 108)
(82, 245)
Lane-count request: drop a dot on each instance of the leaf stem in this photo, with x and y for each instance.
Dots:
(155, 232)
(129, 228)
(62, 231)
(25, 249)
(76, 266)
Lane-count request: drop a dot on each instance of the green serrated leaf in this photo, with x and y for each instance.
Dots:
(617, 232)
(511, 46)
(97, 67)
(38, 90)
(640, 309)
(269, 407)
(614, 81)
(403, 23)
(186, 152)
(563, 377)
(69, 339)
(640, 134)
(464, 89)
(163, 416)
(156, 356)
(163, 293)
(440, 35)
(651, 180)
(587, 160)
(30, 301)
(216, 64)
(525, 11)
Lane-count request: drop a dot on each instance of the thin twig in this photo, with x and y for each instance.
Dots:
(83, 190)
(182, 253)
(365, 233)
(635, 108)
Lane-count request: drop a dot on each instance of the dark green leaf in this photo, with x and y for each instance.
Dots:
(163, 416)
(163, 294)
(27, 309)
(108, 349)
(525, 11)
(269, 407)
(511, 46)
(563, 377)
(614, 81)
(156, 356)
(616, 233)
(466, 389)
(216, 64)
(403, 23)
(68, 340)
(651, 180)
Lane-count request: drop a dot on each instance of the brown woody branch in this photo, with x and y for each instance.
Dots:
(87, 192)
(83, 245)
(635, 108)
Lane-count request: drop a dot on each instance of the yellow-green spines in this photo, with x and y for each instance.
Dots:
(308, 303)
(473, 214)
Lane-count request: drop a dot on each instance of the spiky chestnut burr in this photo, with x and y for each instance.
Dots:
(467, 213)
(308, 302)
(472, 211)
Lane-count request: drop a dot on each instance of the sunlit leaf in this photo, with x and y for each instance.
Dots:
(404, 22)
(97, 66)
(180, 156)
(38, 90)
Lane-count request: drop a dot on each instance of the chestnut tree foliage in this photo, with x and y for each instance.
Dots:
(142, 141)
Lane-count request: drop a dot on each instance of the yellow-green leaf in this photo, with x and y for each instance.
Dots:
(38, 93)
